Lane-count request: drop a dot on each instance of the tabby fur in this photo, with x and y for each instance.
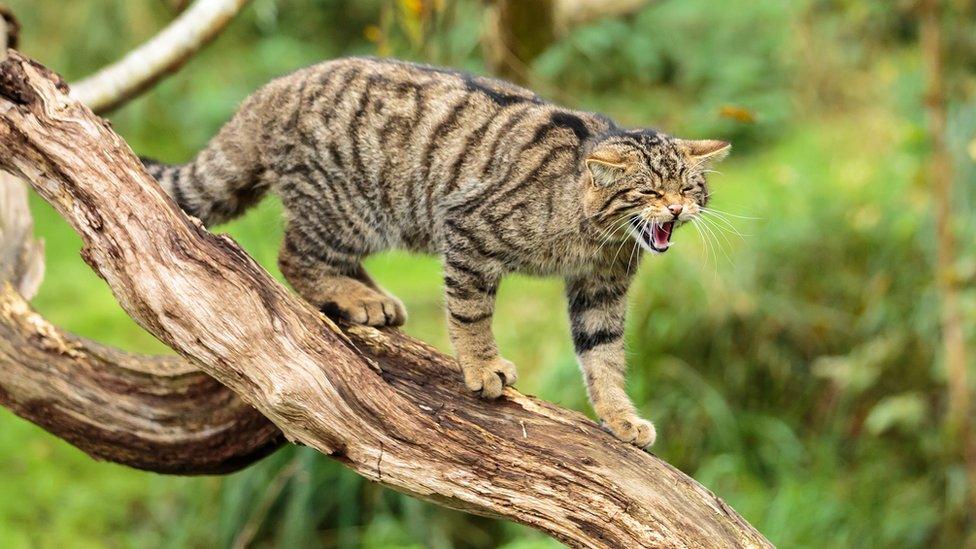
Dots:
(373, 154)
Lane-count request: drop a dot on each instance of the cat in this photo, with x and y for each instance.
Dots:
(371, 154)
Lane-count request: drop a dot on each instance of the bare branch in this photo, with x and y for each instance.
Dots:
(152, 413)
(387, 406)
(155, 413)
(162, 55)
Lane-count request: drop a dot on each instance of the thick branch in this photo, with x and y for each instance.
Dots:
(162, 55)
(153, 413)
(389, 407)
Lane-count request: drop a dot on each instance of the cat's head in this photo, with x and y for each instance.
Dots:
(643, 183)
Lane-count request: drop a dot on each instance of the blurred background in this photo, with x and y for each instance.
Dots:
(793, 357)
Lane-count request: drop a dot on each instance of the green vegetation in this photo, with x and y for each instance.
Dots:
(793, 369)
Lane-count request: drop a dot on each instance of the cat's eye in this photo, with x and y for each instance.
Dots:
(651, 193)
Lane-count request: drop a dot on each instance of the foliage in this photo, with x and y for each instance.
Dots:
(793, 369)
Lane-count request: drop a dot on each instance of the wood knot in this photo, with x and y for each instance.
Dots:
(15, 83)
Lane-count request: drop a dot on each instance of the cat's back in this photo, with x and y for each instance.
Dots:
(394, 139)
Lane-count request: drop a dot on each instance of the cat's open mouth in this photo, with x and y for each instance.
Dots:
(653, 235)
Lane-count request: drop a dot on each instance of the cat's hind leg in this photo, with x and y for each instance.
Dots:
(329, 275)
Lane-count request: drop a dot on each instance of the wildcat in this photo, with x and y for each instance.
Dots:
(373, 154)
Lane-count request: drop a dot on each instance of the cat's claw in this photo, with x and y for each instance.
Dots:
(489, 378)
(632, 429)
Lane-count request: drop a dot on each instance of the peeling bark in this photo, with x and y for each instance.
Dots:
(389, 407)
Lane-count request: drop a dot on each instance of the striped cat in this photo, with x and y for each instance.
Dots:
(373, 154)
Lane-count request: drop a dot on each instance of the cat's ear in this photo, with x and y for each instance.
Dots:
(705, 150)
(605, 169)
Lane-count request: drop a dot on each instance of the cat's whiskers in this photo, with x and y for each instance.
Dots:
(621, 223)
(715, 211)
(636, 246)
(711, 228)
(724, 222)
(706, 241)
(640, 230)
(609, 234)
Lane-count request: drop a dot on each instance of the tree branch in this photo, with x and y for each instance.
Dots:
(160, 56)
(389, 407)
(153, 413)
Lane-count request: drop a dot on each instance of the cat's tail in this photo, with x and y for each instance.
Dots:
(211, 187)
(226, 177)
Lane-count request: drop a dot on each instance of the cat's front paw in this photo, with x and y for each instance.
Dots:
(631, 428)
(489, 377)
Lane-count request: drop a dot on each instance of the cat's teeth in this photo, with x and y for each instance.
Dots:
(661, 234)
(653, 235)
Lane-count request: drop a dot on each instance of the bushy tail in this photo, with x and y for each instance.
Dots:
(225, 179)
(211, 189)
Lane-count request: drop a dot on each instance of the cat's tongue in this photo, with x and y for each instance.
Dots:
(661, 235)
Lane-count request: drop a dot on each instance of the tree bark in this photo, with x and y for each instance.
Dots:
(389, 407)
(21, 256)
(153, 413)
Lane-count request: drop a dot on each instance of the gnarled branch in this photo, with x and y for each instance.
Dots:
(161, 55)
(155, 413)
(152, 413)
(387, 406)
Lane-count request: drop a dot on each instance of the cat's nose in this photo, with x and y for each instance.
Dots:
(676, 209)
